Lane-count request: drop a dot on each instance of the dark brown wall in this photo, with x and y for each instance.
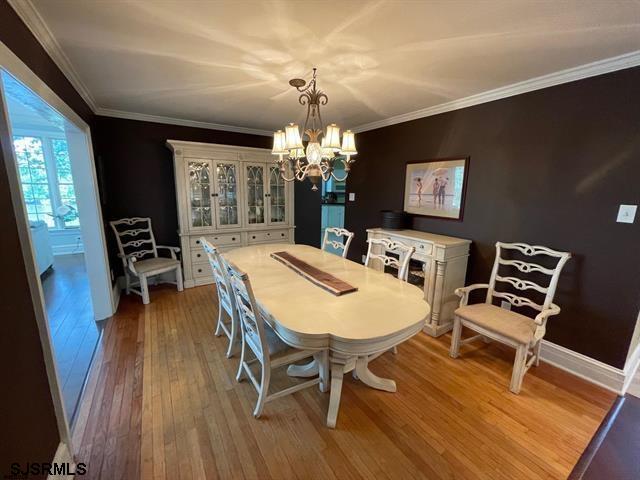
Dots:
(307, 214)
(549, 167)
(137, 169)
(27, 418)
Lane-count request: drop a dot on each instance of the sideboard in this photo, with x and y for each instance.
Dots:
(444, 266)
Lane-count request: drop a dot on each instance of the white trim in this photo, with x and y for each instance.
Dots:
(628, 60)
(584, 367)
(63, 455)
(631, 369)
(34, 21)
(143, 117)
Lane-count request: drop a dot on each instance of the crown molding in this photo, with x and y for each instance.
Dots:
(34, 21)
(600, 67)
(143, 117)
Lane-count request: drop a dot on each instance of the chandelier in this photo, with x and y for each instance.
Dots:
(323, 149)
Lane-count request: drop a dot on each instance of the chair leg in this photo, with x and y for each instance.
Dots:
(455, 338)
(218, 331)
(179, 278)
(264, 390)
(232, 338)
(127, 282)
(144, 288)
(394, 350)
(536, 352)
(240, 366)
(519, 365)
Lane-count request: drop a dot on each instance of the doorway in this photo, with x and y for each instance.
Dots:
(55, 200)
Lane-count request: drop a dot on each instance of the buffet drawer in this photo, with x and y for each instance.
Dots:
(217, 240)
(268, 236)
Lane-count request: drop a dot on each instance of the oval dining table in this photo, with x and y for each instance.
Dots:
(353, 328)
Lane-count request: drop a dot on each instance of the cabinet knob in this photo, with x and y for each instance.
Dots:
(197, 242)
(233, 239)
(253, 237)
(199, 270)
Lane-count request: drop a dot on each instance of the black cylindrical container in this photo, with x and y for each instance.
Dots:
(393, 219)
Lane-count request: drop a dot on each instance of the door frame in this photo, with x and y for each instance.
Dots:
(80, 140)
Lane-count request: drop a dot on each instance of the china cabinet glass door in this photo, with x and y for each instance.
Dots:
(277, 197)
(199, 177)
(255, 182)
(226, 181)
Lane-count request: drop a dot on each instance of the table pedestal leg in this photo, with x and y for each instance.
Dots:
(370, 379)
(337, 373)
(307, 370)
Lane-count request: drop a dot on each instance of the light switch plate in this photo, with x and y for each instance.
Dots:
(627, 213)
(352, 197)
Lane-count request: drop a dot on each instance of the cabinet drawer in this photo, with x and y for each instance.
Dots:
(198, 255)
(217, 240)
(268, 236)
(422, 248)
(201, 270)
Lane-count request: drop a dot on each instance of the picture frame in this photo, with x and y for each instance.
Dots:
(436, 188)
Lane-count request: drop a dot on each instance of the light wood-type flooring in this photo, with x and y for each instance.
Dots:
(162, 402)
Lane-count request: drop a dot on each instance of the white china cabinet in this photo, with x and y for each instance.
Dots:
(234, 196)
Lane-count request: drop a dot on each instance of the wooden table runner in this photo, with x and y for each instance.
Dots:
(319, 277)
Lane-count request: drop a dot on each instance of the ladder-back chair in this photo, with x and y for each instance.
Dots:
(268, 349)
(403, 251)
(139, 254)
(505, 326)
(226, 299)
(337, 244)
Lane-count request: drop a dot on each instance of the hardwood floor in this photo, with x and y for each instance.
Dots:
(162, 402)
(74, 332)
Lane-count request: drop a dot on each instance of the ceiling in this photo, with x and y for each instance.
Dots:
(229, 62)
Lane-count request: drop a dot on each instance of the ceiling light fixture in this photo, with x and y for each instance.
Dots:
(317, 159)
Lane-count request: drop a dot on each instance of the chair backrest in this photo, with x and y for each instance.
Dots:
(251, 320)
(338, 245)
(523, 284)
(220, 275)
(135, 238)
(403, 251)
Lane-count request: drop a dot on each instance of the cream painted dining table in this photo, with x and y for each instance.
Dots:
(354, 327)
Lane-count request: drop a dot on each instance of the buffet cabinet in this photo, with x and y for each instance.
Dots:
(442, 267)
(233, 196)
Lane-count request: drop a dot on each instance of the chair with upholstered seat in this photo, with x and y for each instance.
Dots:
(226, 299)
(139, 253)
(508, 327)
(336, 243)
(378, 250)
(267, 347)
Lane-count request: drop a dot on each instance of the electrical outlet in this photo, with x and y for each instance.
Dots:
(352, 197)
(626, 213)
(506, 305)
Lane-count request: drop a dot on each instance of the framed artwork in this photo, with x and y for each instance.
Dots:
(436, 188)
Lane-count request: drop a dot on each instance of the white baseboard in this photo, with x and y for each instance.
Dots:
(594, 371)
(115, 293)
(632, 371)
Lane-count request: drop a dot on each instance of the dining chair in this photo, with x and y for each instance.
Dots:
(139, 254)
(401, 262)
(226, 299)
(268, 349)
(503, 325)
(337, 244)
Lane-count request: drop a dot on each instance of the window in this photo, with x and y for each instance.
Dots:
(47, 184)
